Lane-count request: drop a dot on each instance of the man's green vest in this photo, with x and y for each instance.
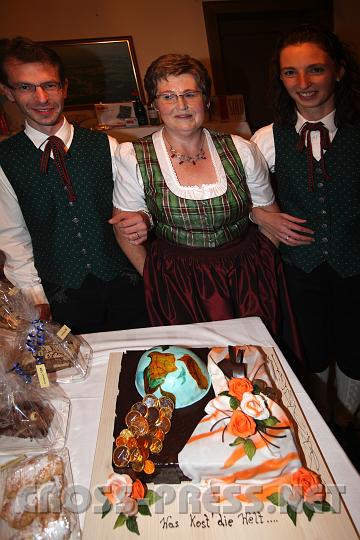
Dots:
(332, 210)
(70, 240)
(196, 223)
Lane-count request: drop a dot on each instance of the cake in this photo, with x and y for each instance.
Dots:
(245, 438)
(237, 435)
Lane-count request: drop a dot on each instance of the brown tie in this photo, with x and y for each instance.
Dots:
(305, 135)
(57, 147)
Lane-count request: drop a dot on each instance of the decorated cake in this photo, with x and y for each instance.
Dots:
(235, 433)
(245, 438)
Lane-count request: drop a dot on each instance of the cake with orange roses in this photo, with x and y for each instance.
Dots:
(246, 439)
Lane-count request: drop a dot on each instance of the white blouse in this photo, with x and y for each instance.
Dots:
(264, 137)
(129, 187)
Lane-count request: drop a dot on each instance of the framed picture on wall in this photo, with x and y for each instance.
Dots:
(101, 70)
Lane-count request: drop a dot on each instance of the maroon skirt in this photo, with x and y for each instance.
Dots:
(243, 278)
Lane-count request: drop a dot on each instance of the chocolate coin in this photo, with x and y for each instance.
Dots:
(150, 401)
(149, 466)
(165, 401)
(121, 456)
(140, 407)
(156, 446)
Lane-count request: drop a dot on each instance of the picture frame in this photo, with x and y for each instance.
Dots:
(99, 70)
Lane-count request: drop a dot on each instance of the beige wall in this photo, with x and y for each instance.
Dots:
(156, 26)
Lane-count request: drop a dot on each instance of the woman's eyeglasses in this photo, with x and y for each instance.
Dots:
(171, 97)
(49, 87)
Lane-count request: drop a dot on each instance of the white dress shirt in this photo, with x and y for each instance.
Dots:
(15, 240)
(129, 188)
(264, 138)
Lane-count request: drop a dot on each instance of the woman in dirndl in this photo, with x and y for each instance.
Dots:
(207, 262)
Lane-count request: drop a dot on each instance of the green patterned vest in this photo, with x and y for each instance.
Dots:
(196, 223)
(70, 240)
(332, 210)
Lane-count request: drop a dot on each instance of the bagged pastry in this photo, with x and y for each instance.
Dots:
(32, 419)
(35, 493)
(66, 357)
(11, 301)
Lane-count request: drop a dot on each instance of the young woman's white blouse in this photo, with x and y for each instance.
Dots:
(129, 188)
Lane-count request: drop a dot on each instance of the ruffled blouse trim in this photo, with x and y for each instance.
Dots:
(201, 192)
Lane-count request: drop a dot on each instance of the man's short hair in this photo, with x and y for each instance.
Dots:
(27, 51)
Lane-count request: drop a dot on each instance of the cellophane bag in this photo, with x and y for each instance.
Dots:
(32, 419)
(36, 501)
(67, 358)
(11, 301)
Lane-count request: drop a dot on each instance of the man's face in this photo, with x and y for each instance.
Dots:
(41, 108)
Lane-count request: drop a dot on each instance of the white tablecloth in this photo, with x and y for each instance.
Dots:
(87, 396)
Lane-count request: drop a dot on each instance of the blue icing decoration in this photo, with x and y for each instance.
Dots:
(171, 374)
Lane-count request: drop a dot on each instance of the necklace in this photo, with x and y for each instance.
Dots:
(183, 158)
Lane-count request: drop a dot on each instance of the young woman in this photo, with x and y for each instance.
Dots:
(313, 147)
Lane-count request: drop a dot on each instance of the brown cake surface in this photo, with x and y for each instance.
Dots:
(183, 421)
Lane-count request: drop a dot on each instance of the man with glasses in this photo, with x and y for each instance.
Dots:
(56, 184)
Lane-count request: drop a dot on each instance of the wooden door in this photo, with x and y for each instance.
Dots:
(242, 37)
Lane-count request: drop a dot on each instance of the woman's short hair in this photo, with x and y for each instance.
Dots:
(27, 51)
(347, 96)
(176, 64)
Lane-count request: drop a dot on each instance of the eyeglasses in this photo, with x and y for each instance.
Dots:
(49, 87)
(171, 97)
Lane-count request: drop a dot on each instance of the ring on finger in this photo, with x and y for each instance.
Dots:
(287, 237)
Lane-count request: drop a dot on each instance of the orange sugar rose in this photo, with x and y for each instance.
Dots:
(138, 490)
(238, 386)
(310, 485)
(241, 425)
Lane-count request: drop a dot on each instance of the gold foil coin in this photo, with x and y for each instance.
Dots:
(140, 407)
(126, 433)
(121, 456)
(152, 415)
(140, 426)
(165, 401)
(120, 441)
(149, 466)
(158, 434)
(137, 466)
(165, 411)
(164, 424)
(144, 452)
(143, 441)
(156, 446)
(131, 416)
(131, 443)
(135, 455)
(150, 401)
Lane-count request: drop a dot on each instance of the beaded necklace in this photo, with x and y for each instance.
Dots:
(183, 158)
